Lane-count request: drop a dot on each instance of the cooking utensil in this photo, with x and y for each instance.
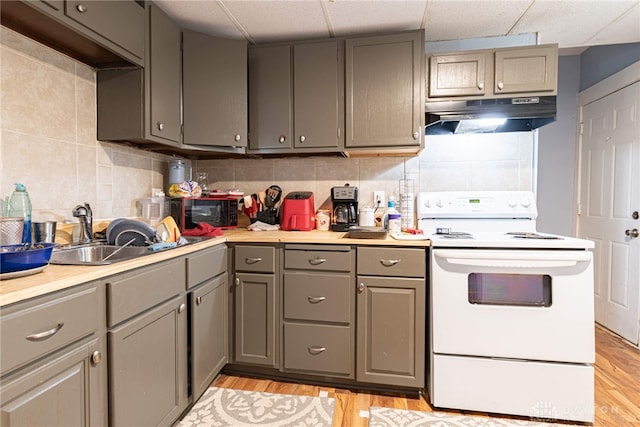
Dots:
(272, 196)
(18, 257)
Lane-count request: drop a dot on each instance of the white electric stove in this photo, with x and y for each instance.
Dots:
(512, 321)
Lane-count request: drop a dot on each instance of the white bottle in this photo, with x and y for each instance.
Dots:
(393, 217)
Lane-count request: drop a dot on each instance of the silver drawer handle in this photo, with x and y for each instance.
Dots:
(389, 262)
(45, 334)
(81, 8)
(198, 300)
(315, 300)
(252, 260)
(181, 308)
(317, 261)
(316, 350)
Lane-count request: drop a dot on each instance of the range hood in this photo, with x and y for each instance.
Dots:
(518, 115)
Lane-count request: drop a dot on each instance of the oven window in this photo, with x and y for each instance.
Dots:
(510, 289)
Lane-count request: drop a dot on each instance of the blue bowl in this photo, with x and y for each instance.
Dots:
(16, 258)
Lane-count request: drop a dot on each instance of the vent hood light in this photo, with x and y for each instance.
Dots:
(479, 125)
(520, 115)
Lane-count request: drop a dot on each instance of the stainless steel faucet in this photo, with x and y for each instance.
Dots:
(85, 216)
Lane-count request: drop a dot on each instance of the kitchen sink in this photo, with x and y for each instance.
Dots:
(96, 254)
(101, 253)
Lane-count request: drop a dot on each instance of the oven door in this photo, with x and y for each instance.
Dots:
(522, 304)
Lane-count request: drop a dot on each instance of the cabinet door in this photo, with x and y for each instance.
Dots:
(270, 97)
(457, 75)
(318, 95)
(526, 70)
(384, 90)
(120, 22)
(255, 319)
(164, 76)
(148, 367)
(391, 343)
(64, 391)
(208, 333)
(214, 90)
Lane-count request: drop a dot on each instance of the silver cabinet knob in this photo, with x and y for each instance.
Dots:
(634, 233)
(303, 138)
(198, 300)
(237, 137)
(481, 85)
(282, 139)
(500, 85)
(361, 287)
(96, 357)
(182, 307)
(416, 135)
(237, 281)
(160, 126)
(81, 8)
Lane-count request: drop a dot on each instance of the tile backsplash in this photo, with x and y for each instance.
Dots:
(48, 142)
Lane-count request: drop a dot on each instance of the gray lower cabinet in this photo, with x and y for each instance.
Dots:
(385, 92)
(53, 365)
(214, 91)
(143, 104)
(255, 305)
(318, 316)
(391, 317)
(208, 284)
(147, 318)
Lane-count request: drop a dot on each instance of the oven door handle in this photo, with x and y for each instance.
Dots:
(515, 259)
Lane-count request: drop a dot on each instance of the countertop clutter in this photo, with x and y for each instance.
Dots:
(58, 277)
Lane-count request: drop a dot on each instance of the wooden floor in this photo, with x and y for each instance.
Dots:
(617, 381)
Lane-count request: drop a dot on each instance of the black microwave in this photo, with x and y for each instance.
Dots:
(221, 212)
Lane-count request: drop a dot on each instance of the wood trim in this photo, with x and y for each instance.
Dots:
(625, 77)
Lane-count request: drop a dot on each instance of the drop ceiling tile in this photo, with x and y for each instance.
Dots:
(625, 29)
(267, 21)
(349, 17)
(570, 23)
(203, 16)
(454, 20)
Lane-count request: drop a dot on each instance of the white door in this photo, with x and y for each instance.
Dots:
(610, 200)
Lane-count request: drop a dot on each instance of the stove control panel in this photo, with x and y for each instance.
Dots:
(479, 204)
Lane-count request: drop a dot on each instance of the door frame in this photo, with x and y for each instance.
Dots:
(623, 78)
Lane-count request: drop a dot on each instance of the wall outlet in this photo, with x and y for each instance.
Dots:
(378, 199)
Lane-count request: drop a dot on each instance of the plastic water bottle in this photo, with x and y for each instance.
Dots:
(393, 217)
(20, 206)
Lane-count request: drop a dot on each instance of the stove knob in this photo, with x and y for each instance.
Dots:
(512, 203)
(525, 202)
(427, 203)
(439, 203)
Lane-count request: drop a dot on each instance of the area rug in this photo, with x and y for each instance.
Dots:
(225, 407)
(387, 417)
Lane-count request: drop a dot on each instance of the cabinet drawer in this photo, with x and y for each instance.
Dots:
(206, 264)
(319, 348)
(327, 260)
(403, 262)
(130, 294)
(35, 331)
(261, 259)
(321, 297)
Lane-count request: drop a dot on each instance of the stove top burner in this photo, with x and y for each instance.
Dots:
(447, 234)
(529, 235)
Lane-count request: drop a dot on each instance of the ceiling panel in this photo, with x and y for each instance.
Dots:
(625, 29)
(267, 21)
(454, 20)
(203, 16)
(351, 17)
(572, 22)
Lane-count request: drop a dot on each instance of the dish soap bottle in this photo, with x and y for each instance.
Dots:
(20, 206)
(393, 217)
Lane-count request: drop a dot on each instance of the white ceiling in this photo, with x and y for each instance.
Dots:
(573, 24)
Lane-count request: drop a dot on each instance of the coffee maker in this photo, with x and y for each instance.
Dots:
(345, 207)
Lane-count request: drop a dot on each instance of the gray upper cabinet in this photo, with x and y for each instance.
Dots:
(143, 105)
(385, 92)
(99, 33)
(495, 73)
(214, 91)
(296, 95)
